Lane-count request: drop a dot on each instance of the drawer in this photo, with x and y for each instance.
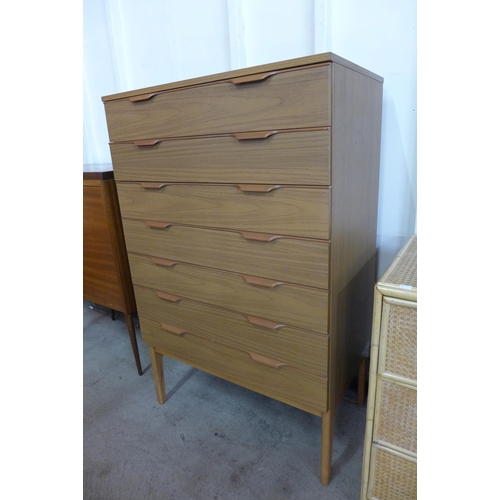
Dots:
(299, 306)
(284, 383)
(282, 158)
(256, 336)
(293, 211)
(393, 476)
(281, 99)
(398, 340)
(292, 260)
(396, 416)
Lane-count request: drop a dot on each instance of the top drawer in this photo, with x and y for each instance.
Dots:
(276, 100)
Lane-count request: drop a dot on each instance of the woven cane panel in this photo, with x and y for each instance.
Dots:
(405, 272)
(397, 416)
(401, 347)
(395, 477)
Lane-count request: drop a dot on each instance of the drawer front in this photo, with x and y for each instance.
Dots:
(293, 211)
(256, 336)
(286, 99)
(398, 343)
(396, 416)
(283, 158)
(392, 476)
(303, 307)
(292, 260)
(287, 384)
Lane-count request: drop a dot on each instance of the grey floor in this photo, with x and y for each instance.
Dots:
(211, 440)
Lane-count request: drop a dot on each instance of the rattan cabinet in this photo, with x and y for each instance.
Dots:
(390, 453)
(249, 205)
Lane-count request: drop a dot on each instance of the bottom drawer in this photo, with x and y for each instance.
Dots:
(284, 383)
(393, 475)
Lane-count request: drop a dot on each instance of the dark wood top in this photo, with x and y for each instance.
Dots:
(290, 63)
(99, 171)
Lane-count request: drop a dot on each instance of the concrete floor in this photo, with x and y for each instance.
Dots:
(211, 440)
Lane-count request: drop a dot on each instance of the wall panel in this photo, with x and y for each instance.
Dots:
(130, 44)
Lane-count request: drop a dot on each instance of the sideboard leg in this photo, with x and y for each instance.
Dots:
(157, 368)
(326, 446)
(133, 340)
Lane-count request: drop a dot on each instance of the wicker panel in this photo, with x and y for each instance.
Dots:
(397, 417)
(401, 347)
(395, 477)
(405, 270)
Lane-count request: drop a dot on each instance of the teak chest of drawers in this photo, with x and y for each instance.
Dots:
(106, 272)
(249, 205)
(390, 453)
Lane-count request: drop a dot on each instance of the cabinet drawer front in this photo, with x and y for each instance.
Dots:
(303, 307)
(286, 384)
(283, 158)
(396, 416)
(293, 211)
(287, 99)
(392, 476)
(398, 342)
(292, 260)
(296, 348)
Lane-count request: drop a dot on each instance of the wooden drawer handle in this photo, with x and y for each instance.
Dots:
(247, 136)
(255, 280)
(163, 262)
(263, 360)
(264, 323)
(142, 97)
(173, 329)
(153, 185)
(257, 188)
(168, 296)
(153, 224)
(259, 236)
(258, 77)
(146, 142)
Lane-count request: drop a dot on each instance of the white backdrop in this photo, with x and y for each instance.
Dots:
(130, 44)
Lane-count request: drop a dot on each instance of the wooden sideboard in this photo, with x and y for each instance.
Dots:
(390, 453)
(249, 205)
(106, 272)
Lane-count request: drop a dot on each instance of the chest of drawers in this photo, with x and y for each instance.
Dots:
(249, 205)
(390, 454)
(106, 273)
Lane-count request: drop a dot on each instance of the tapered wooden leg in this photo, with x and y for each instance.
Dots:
(133, 340)
(157, 368)
(326, 446)
(362, 382)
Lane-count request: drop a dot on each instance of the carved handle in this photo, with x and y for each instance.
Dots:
(259, 236)
(252, 78)
(163, 262)
(173, 329)
(255, 280)
(153, 185)
(264, 323)
(146, 142)
(168, 296)
(142, 97)
(153, 224)
(263, 360)
(246, 136)
(257, 188)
